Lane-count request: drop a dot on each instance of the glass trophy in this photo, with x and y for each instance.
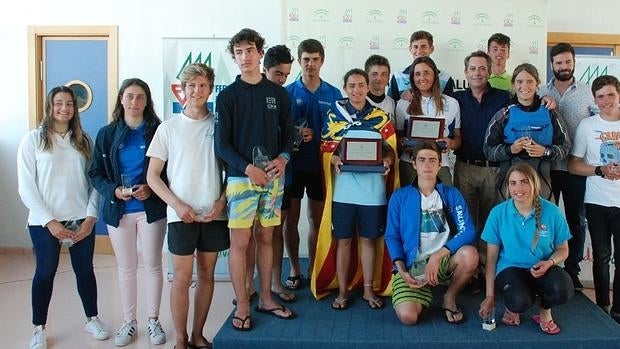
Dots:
(299, 137)
(260, 157)
(488, 322)
(525, 132)
(126, 184)
(72, 224)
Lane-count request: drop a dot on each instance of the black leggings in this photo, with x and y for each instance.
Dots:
(520, 288)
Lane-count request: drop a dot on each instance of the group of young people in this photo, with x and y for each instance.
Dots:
(201, 176)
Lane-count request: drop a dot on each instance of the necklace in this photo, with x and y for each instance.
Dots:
(62, 134)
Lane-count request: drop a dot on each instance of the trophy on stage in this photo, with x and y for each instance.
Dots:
(260, 157)
(299, 137)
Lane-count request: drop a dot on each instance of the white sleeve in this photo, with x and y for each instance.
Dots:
(579, 146)
(159, 145)
(27, 178)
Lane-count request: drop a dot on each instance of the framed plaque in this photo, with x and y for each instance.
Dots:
(420, 127)
(362, 155)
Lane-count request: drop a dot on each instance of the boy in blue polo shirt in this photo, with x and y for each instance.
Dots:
(311, 98)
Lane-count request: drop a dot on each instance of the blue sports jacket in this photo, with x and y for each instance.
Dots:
(402, 235)
(105, 173)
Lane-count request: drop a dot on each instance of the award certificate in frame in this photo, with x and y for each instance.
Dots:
(362, 155)
(420, 127)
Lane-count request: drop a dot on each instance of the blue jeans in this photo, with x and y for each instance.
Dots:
(573, 189)
(47, 253)
(603, 223)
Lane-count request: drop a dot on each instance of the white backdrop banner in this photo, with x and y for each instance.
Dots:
(589, 67)
(351, 31)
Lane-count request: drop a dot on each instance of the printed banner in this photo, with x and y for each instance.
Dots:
(589, 67)
(351, 31)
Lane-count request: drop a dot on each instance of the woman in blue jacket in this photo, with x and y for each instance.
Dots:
(131, 210)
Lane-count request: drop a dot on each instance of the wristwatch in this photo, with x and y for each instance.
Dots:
(547, 152)
(598, 171)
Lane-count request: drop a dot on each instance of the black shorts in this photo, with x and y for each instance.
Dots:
(312, 182)
(185, 238)
(286, 199)
(369, 221)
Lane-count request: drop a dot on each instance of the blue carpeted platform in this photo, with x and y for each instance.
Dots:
(583, 325)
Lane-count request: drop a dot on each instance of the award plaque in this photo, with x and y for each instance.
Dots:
(362, 155)
(420, 128)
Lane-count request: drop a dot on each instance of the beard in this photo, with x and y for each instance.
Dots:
(564, 75)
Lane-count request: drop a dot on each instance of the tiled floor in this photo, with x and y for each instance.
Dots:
(65, 324)
(66, 318)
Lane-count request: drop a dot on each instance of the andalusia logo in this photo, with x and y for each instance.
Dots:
(293, 15)
(346, 42)
(534, 21)
(482, 45)
(482, 19)
(456, 18)
(374, 16)
(455, 45)
(401, 43)
(508, 20)
(293, 41)
(429, 17)
(321, 15)
(347, 17)
(374, 43)
(401, 17)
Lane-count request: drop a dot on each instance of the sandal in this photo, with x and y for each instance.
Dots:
(375, 302)
(510, 318)
(340, 303)
(294, 282)
(549, 327)
(246, 323)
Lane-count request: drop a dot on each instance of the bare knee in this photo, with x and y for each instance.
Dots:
(468, 258)
(408, 318)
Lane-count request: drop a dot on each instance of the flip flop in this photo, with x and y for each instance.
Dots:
(374, 303)
(287, 297)
(294, 282)
(243, 322)
(274, 312)
(455, 312)
(340, 303)
(549, 327)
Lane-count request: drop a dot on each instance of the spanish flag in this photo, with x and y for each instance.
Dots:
(323, 278)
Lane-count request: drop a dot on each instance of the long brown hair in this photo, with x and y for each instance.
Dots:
(79, 140)
(534, 181)
(150, 116)
(415, 107)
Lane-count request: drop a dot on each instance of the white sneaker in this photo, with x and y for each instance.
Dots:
(125, 334)
(39, 338)
(156, 333)
(96, 328)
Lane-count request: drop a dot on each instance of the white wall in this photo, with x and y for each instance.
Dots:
(141, 25)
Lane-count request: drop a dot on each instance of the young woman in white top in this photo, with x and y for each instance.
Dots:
(428, 101)
(52, 161)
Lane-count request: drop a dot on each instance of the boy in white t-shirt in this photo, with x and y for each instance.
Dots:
(197, 223)
(596, 154)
